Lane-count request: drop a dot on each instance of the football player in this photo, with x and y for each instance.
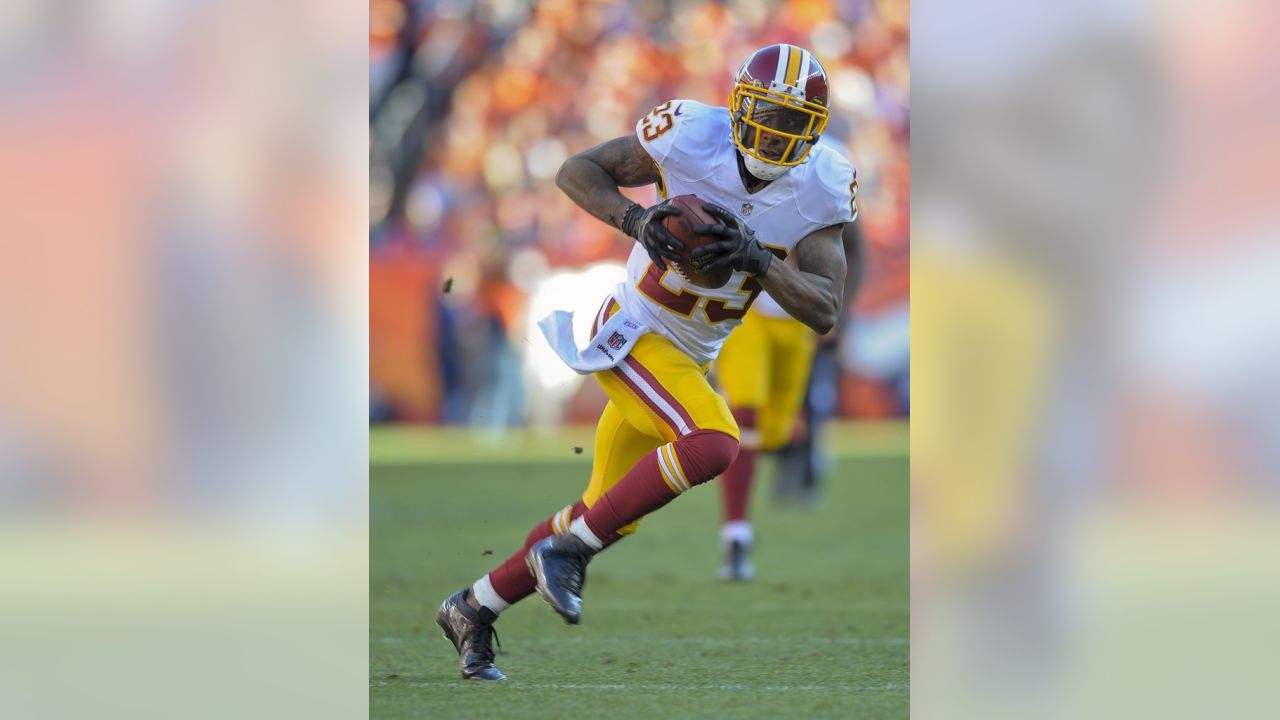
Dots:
(665, 429)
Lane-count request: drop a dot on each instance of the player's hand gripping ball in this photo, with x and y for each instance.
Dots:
(646, 226)
(673, 230)
(735, 246)
(693, 267)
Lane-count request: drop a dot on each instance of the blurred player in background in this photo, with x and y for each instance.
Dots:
(665, 429)
(763, 371)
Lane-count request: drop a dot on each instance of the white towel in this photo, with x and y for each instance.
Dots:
(609, 346)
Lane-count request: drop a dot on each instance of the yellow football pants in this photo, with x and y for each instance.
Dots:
(764, 366)
(656, 395)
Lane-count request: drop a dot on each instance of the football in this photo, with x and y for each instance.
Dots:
(681, 226)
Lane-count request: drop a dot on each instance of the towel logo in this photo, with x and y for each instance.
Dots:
(617, 340)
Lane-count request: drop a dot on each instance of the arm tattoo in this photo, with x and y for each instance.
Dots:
(626, 161)
(592, 178)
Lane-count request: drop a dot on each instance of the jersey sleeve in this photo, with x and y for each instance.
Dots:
(677, 135)
(836, 201)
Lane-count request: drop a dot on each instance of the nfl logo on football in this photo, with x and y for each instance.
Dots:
(617, 340)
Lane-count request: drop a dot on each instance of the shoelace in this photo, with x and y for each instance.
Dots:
(481, 647)
(579, 577)
(578, 562)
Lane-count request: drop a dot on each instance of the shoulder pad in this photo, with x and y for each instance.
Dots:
(835, 192)
(682, 136)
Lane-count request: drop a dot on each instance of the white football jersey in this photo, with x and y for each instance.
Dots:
(694, 150)
(765, 304)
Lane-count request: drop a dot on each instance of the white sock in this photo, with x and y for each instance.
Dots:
(739, 531)
(579, 527)
(484, 594)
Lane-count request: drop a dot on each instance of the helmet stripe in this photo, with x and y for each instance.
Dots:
(783, 52)
(793, 65)
(746, 66)
(804, 69)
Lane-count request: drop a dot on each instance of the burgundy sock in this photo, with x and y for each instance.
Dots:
(701, 455)
(512, 580)
(735, 483)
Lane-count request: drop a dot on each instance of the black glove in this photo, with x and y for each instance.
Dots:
(739, 250)
(646, 227)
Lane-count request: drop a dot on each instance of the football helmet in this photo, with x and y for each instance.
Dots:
(778, 106)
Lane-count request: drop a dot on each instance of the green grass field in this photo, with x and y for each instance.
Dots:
(822, 632)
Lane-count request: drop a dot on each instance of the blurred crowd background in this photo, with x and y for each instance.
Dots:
(474, 106)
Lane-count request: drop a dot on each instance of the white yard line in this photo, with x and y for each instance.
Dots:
(885, 687)
(686, 639)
